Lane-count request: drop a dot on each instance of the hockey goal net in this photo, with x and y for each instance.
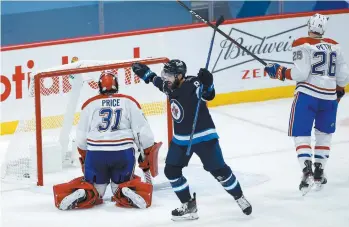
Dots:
(44, 139)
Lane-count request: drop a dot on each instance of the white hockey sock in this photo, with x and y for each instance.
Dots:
(100, 189)
(114, 187)
(303, 148)
(322, 147)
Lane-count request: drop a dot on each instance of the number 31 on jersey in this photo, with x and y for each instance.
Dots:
(110, 119)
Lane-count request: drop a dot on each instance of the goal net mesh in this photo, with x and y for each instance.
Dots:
(63, 90)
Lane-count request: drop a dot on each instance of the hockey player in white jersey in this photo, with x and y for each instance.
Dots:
(109, 123)
(321, 75)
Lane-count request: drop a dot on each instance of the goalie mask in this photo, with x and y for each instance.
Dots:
(171, 71)
(108, 82)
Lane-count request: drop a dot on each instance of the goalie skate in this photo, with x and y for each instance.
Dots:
(187, 211)
(319, 178)
(70, 201)
(307, 181)
(136, 199)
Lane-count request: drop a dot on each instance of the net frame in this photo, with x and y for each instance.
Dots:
(35, 90)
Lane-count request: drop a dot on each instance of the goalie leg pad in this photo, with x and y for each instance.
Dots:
(60, 191)
(145, 190)
(151, 159)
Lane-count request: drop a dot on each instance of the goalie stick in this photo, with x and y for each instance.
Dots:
(218, 22)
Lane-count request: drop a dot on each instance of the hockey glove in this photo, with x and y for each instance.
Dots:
(340, 93)
(276, 71)
(150, 161)
(206, 78)
(143, 72)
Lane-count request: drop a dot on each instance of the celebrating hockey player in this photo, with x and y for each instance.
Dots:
(182, 92)
(321, 75)
(108, 124)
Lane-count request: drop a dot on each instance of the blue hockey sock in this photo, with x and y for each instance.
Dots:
(181, 187)
(226, 177)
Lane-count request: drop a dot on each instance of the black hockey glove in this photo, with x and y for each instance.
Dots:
(205, 77)
(143, 72)
(340, 93)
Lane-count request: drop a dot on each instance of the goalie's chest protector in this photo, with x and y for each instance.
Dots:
(183, 102)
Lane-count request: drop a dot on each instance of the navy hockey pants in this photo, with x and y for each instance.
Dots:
(209, 152)
(103, 166)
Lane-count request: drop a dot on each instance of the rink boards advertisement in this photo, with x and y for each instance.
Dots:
(237, 76)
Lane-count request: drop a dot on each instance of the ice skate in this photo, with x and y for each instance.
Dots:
(70, 201)
(136, 199)
(319, 178)
(244, 205)
(188, 211)
(307, 179)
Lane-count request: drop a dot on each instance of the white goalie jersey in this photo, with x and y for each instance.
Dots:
(319, 67)
(112, 123)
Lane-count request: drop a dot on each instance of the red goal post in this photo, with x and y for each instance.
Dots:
(83, 68)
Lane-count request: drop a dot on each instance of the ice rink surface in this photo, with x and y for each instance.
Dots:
(255, 144)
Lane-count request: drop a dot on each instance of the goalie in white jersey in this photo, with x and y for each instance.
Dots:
(321, 74)
(109, 125)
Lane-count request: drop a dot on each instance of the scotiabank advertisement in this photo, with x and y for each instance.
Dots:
(233, 69)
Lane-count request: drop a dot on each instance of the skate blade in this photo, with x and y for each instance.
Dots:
(135, 198)
(318, 186)
(191, 216)
(67, 202)
(305, 190)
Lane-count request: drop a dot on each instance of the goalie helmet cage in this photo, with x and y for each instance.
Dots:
(76, 71)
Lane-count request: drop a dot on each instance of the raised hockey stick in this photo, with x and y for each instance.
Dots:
(222, 33)
(219, 22)
(146, 173)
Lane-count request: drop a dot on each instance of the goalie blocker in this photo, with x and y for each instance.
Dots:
(150, 161)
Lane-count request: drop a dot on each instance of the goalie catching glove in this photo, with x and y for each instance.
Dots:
(150, 161)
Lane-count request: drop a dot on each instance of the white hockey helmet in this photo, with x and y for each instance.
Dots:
(317, 24)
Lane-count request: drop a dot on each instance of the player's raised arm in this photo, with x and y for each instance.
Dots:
(172, 75)
(144, 72)
(301, 61)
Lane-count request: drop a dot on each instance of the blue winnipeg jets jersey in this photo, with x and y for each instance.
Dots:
(183, 102)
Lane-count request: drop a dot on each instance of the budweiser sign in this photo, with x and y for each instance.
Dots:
(267, 47)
